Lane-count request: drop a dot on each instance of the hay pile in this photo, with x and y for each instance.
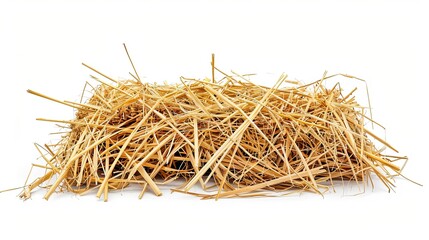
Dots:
(247, 139)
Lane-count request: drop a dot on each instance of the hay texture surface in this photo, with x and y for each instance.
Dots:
(231, 137)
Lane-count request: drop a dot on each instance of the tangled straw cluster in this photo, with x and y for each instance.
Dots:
(248, 139)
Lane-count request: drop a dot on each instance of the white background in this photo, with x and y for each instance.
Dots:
(42, 45)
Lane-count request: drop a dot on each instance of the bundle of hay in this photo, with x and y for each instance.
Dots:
(245, 138)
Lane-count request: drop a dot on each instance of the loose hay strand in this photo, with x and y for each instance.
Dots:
(247, 139)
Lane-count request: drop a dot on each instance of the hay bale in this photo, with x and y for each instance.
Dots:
(248, 139)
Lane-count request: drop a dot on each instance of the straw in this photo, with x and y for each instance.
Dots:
(245, 138)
